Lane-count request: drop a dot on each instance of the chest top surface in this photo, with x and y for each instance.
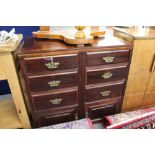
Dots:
(34, 46)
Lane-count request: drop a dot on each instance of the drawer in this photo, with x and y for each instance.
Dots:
(98, 111)
(55, 100)
(107, 57)
(53, 63)
(45, 119)
(104, 92)
(106, 75)
(52, 82)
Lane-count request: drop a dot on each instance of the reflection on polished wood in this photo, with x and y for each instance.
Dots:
(56, 46)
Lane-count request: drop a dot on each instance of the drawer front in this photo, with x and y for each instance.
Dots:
(107, 57)
(55, 63)
(95, 112)
(51, 82)
(55, 100)
(106, 75)
(104, 92)
(55, 118)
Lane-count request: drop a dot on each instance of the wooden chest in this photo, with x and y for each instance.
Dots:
(63, 83)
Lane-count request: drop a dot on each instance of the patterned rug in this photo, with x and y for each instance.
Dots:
(139, 119)
(78, 124)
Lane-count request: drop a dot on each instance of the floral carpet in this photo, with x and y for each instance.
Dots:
(139, 119)
(78, 124)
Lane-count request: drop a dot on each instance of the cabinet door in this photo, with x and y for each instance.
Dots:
(151, 85)
(149, 99)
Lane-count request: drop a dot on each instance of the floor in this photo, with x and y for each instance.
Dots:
(98, 126)
(3, 97)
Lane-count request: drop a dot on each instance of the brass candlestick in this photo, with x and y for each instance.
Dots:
(80, 34)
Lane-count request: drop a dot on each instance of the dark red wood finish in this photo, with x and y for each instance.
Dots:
(106, 73)
(97, 109)
(43, 101)
(38, 64)
(52, 117)
(95, 93)
(100, 111)
(79, 71)
(44, 82)
(97, 58)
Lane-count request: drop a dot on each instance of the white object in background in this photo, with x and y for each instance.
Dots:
(5, 36)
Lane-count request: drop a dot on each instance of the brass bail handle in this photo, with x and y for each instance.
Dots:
(108, 59)
(107, 75)
(105, 93)
(56, 101)
(54, 83)
(51, 64)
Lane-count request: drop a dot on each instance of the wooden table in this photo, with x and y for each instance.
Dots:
(13, 112)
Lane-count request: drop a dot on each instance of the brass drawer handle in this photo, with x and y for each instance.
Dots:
(56, 101)
(54, 83)
(108, 59)
(107, 75)
(52, 65)
(105, 93)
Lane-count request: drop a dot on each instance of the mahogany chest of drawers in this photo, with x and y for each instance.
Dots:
(62, 83)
